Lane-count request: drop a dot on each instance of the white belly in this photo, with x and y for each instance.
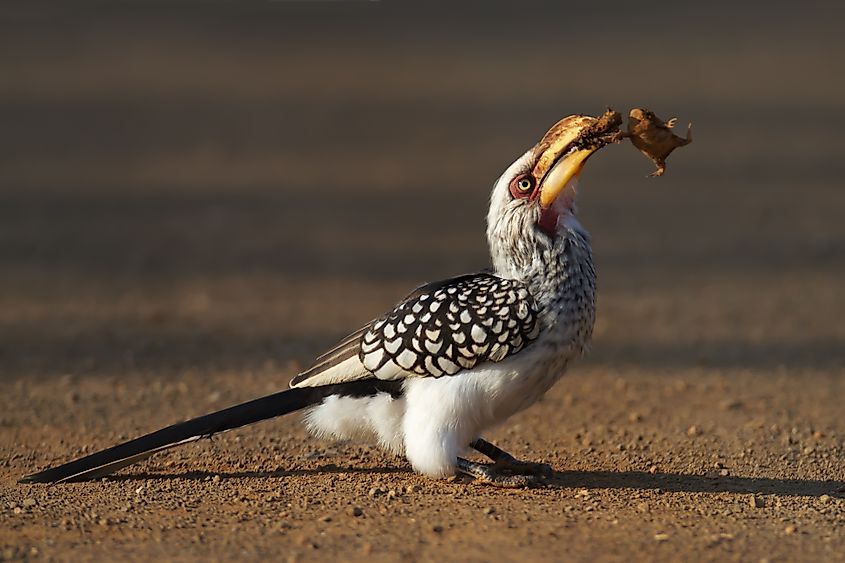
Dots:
(437, 418)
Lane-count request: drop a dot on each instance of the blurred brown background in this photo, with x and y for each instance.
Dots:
(225, 186)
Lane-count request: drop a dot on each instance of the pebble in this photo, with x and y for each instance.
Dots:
(489, 510)
(437, 529)
(413, 489)
(29, 503)
(661, 537)
(756, 502)
(789, 530)
(325, 518)
(216, 479)
(356, 511)
(824, 499)
(376, 491)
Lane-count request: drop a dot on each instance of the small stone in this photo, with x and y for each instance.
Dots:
(789, 530)
(376, 491)
(731, 405)
(103, 522)
(652, 469)
(661, 537)
(693, 431)
(724, 472)
(437, 529)
(392, 493)
(489, 510)
(356, 511)
(824, 499)
(325, 518)
(216, 479)
(29, 503)
(756, 502)
(17, 510)
(413, 489)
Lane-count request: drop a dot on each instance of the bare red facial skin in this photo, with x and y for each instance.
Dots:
(548, 221)
(548, 217)
(519, 192)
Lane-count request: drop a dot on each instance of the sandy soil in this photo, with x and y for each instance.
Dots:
(193, 206)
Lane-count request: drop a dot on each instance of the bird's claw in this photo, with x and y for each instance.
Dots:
(511, 474)
(513, 481)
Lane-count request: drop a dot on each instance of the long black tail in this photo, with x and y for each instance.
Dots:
(117, 457)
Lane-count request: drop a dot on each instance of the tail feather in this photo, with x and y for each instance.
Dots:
(117, 457)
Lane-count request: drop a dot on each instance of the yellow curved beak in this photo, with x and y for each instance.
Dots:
(562, 174)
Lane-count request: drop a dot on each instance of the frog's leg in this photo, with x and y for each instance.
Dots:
(661, 167)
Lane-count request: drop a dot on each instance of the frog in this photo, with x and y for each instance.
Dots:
(654, 138)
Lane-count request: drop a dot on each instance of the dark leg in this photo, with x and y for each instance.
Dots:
(487, 474)
(502, 460)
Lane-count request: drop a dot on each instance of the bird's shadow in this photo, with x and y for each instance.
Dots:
(685, 483)
(640, 480)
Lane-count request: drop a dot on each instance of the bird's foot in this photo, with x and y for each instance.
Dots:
(671, 123)
(502, 460)
(490, 475)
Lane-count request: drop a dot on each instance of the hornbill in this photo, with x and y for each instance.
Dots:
(454, 357)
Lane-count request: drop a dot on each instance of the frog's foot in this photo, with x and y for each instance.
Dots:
(661, 168)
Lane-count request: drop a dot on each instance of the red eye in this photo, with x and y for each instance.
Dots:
(522, 186)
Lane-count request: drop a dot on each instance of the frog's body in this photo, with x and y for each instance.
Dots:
(654, 138)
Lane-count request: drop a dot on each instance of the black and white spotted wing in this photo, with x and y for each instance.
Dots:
(445, 327)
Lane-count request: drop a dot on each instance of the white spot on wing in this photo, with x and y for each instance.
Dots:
(432, 334)
(393, 345)
(431, 368)
(433, 347)
(448, 366)
(406, 359)
(373, 359)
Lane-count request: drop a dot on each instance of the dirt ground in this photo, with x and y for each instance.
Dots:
(195, 205)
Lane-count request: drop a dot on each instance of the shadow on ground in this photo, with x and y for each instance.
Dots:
(664, 482)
